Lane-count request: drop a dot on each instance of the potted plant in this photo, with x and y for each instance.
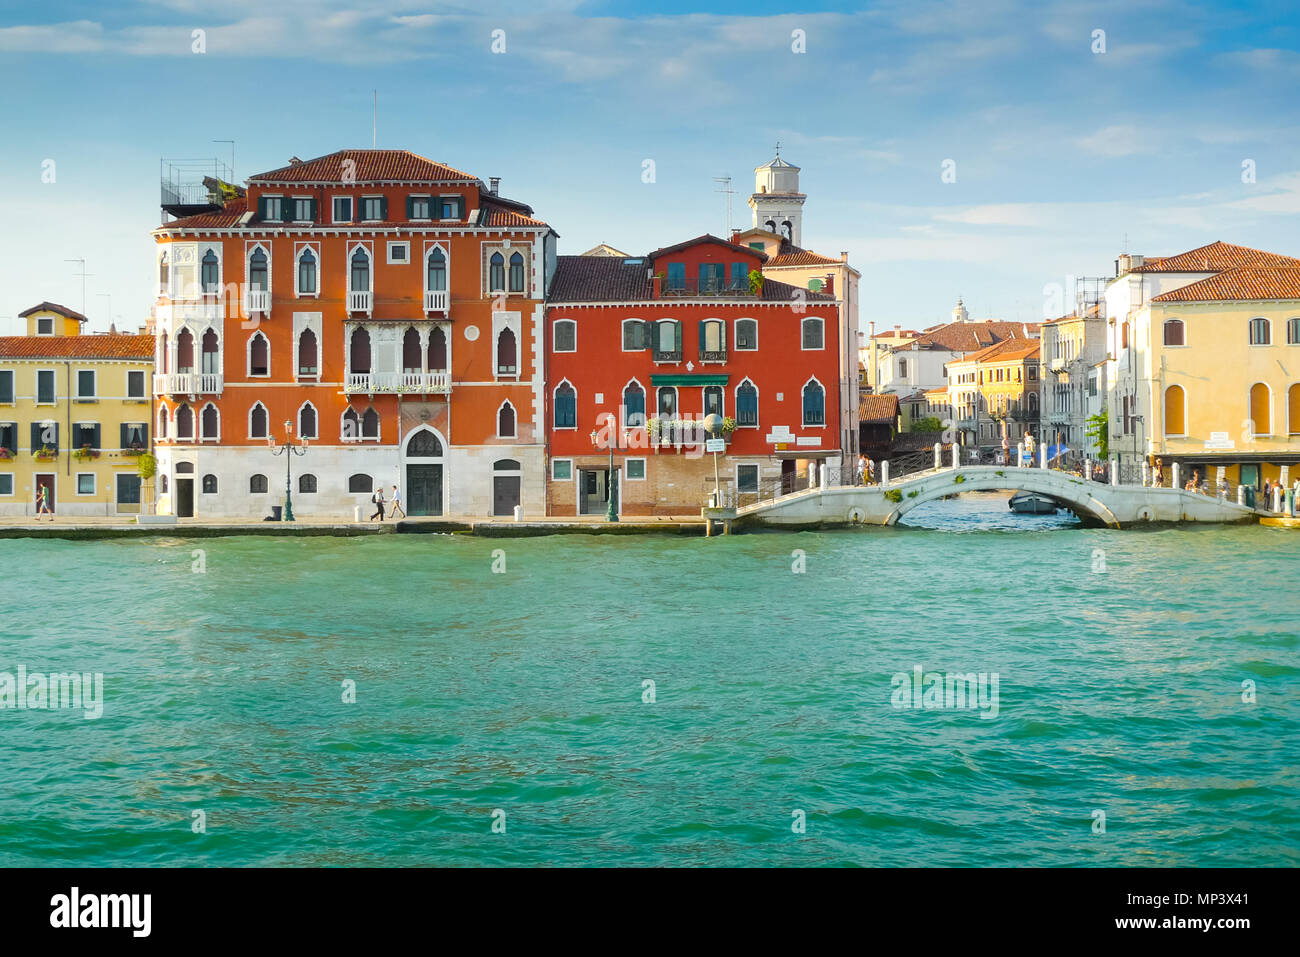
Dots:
(6, 454)
(45, 454)
(755, 283)
(85, 454)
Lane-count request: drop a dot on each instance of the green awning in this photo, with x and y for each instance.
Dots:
(687, 380)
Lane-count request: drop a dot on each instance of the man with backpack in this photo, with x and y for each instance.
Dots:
(378, 501)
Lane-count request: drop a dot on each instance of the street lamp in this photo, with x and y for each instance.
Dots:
(289, 449)
(611, 513)
(713, 425)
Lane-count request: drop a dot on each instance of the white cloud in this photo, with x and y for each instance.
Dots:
(1117, 141)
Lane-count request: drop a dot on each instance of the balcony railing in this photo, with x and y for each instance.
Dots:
(667, 355)
(187, 383)
(257, 300)
(373, 383)
(690, 288)
(435, 300)
(359, 301)
(713, 355)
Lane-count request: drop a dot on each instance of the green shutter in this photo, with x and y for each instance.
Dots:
(703, 333)
(36, 437)
(383, 208)
(124, 440)
(312, 208)
(678, 347)
(261, 207)
(410, 207)
(94, 431)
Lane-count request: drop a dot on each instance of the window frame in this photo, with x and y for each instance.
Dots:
(1267, 327)
(297, 272)
(645, 340)
(565, 462)
(94, 386)
(1164, 334)
(144, 384)
(803, 405)
(366, 198)
(758, 477)
(334, 209)
(54, 384)
(739, 347)
(93, 483)
(736, 400)
(627, 469)
(555, 326)
(555, 407)
(821, 327)
(403, 244)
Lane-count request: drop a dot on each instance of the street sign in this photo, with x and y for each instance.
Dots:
(715, 445)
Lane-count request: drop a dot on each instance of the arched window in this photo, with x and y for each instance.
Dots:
(209, 275)
(506, 465)
(1175, 410)
(257, 422)
(437, 273)
(257, 484)
(411, 350)
(258, 275)
(1293, 409)
(813, 337)
(507, 353)
(506, 421)
(307, 273)
(350, 431)
(1174, 332)
(634, 335)
(162, 484)
(746, 335)
(210, 358)
(746, 404)
(184, 423)
(164, 360)
(437, 350)
(259, 355)
(162, 422)
(1261, 409)
(307, 353)
(770, 225)
(359, 275)
(564, 335)
(370, 424)
(713, 404)
(423, 444)
(359, 351)
(566, 406)
(666, 401)
(634, 405)
(210, 422)
(713, 340)
(307, 421)
(184, 351)
(1261, 332)
(516, 272)
(814, 404)
(1293, 332)
(164, 272)
(497, 273)
(1033, 403)
(307, 483)
(209, 484)
(360, 482)
(787, 229)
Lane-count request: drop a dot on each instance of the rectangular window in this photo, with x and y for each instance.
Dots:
(85, 384)
(677, 276)
(566, 336)
(85, 483)
(421, 207)
(634, 337)
(712, 277)
(45, 326)
(9, 437)
(85, 435)
(562, 469)
(1033, 373)
(372, 208)
(342, 209)
(135, 385)
(272, 208)
(746, 478)
(304, 210)
(6, 385)
(399, 253)
(449, 207)
(6, 483)
(635, 470)
(45, 387)
(739, 277)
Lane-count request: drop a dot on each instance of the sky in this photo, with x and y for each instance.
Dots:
(1175, 126)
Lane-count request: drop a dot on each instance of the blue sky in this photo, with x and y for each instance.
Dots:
(1060, 152)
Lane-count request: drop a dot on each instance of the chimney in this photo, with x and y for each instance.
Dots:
(829, 289)
(294, 161)
(654, 287)
(735, 237)
(494, 184)
(844, 255)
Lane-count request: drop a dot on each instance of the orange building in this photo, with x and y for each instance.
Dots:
(382, 306)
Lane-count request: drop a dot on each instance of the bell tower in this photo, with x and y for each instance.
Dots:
(776, 201)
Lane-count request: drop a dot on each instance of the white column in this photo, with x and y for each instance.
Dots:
(1020, 454)
(938, 456)
(1087, 469)
(1114, 471)
(1146, 474)
(1277, 497)
(956, 455)
(884, 471)
(1241, 495)
(1174, 473)
(1042, 454)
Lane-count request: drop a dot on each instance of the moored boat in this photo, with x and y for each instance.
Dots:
(1027, 503)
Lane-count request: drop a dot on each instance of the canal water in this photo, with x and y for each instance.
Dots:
(745, 700)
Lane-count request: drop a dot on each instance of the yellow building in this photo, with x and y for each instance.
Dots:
(1207, 359)
(995, 392)
(74, 415)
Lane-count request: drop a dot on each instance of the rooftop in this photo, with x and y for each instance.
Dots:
(100, 346)
(1243, 284)
(1215, 257)
(48, 306)
(367, 167)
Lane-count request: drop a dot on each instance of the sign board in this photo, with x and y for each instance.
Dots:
(1219, 440)
(715, 445)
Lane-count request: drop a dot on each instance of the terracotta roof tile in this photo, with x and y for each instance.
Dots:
(494, 215)
(114, 346)
(48, 306)
(706, 238)
(225, 218)
(877, 407)
(969, 336)
(609, 279)
(1242, 284)
(370, 166)
(1215, 257)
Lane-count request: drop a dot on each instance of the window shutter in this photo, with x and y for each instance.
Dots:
(94, 431)
(36, 437)
(383, 208)
(144, 435)
(722, 337)
(678, 346)
(703, 334)
(410, 207)
(261, 207)
(704, 276)
(647, 335)
(311, 209)
(124, 442)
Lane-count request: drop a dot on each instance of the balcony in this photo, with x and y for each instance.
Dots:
(713, 355)
(188, 383)
(1057, 365)
(667, 355)
(388, 383)
(359, 301)
(435, 300)
(693, 288)
(257, 301)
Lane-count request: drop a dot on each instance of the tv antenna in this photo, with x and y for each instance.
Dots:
(724, 187)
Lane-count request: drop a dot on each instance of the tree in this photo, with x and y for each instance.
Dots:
(1099, 431)
(929, 423)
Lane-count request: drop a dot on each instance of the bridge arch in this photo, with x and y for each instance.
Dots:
(1071, 492)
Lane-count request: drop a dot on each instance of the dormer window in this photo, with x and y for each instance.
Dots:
(372, 208)
(419, 207)
(273, 209)
(450, 207)
(45, 326)
(342, 209)
(304, 210)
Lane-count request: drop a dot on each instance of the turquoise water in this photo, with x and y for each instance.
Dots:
(1120, 690)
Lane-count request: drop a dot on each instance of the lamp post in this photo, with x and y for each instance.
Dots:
(289, 449)
(611, 512)
(713, 425)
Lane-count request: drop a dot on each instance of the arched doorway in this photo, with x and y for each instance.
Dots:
(425, 487)
(507, 476)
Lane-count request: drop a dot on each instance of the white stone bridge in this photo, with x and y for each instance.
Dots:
(1095, 503)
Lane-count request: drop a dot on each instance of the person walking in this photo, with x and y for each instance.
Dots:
(378, 500)
(396, 505)
(1160, 473)
(871, 471)
(43, 503)
(862, 469)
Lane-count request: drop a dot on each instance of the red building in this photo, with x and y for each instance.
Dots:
(386, 306)
(659, 342)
